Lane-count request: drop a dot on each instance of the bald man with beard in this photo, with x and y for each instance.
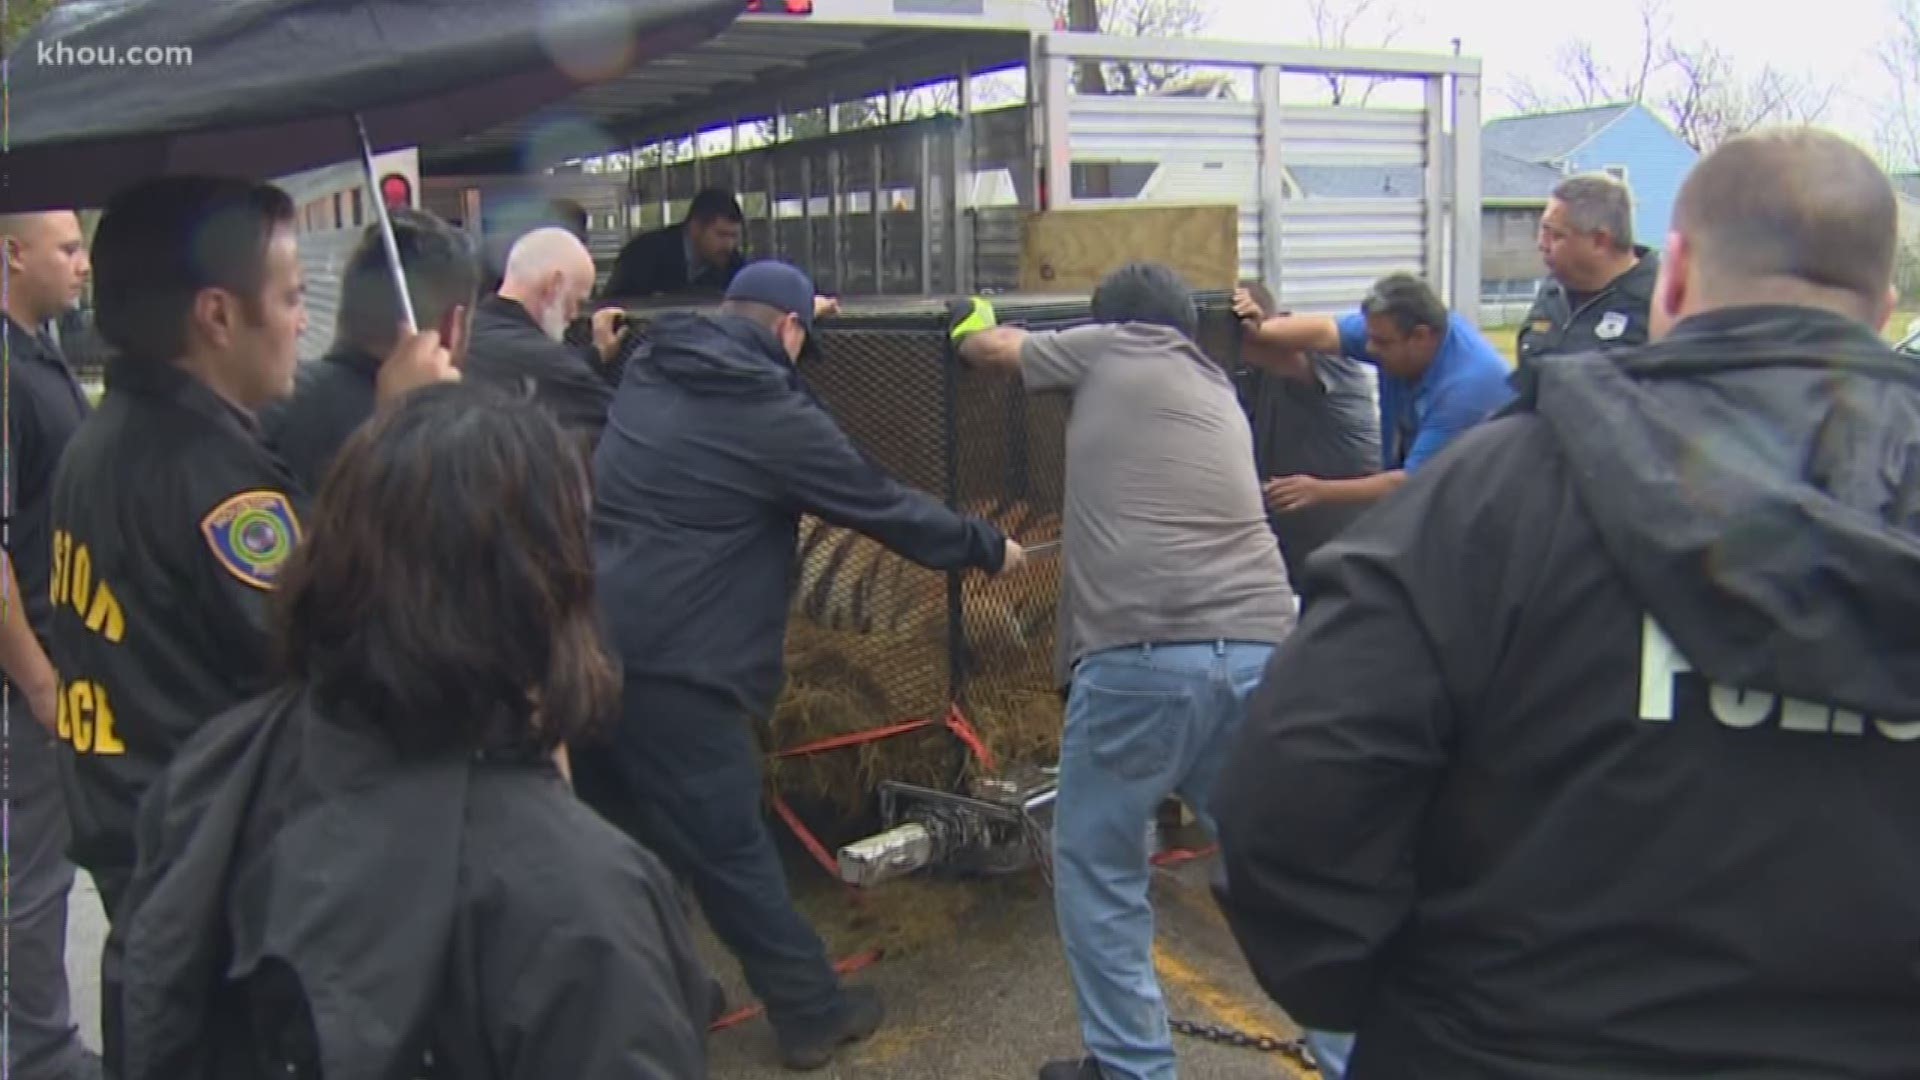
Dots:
(518, 334)
(47, 269)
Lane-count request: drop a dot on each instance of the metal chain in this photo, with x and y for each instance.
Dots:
(1295, 1049)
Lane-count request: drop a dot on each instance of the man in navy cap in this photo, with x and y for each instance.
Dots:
(713, 450)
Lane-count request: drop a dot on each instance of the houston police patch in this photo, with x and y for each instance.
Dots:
(252, 535)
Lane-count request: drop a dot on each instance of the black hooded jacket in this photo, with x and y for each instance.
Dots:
(307, 906)
(1594, 755)
(713, 450)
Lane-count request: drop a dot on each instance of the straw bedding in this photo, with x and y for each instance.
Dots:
(867, 647)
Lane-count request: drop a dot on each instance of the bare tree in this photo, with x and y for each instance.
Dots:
(1336, 25)
(1132, 18)
(1583, 78)
(1697, 87)
(1709, 102)
(1900, 112)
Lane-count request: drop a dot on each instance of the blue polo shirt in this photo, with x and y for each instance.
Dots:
(1466, 383)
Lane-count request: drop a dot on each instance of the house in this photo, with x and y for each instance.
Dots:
(1522, 158)
(1627, 141)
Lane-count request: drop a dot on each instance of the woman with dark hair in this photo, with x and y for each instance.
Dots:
(378, 870)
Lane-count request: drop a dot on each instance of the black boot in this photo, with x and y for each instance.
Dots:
(859, 1016)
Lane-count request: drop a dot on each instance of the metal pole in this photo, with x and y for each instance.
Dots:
(386, 227)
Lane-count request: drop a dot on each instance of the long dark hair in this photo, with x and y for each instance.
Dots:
(444, 592)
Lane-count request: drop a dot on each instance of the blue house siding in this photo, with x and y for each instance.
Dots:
(1656, 161)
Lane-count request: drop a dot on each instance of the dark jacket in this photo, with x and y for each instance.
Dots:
(45, 406)
(713, 450)
(1327, 427)
(509, 350)
(283, 924)
(1593, 756)
(171, 520)
(1616, 317)
(655, 264)
(332, 397)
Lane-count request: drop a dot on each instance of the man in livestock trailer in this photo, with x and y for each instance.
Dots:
(1593, 755)
(698, 256)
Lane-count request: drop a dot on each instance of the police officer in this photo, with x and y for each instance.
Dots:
(47, 268)
(171, 517)
(1597, 743)
(1602, 283)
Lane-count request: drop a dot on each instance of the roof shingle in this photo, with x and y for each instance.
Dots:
(1545, 137)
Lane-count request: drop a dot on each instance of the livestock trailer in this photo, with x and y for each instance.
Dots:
(898, 150)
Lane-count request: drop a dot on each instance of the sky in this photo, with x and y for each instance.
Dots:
(1519, 39)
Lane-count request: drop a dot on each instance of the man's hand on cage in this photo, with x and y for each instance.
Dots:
(980, 340)
(966, 318)
(1247, 308)
(1016, 557)
(824, 306)
(609, 332)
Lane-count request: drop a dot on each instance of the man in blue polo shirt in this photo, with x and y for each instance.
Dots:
(1438, 377)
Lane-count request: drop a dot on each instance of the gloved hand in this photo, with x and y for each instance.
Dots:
(968, 317)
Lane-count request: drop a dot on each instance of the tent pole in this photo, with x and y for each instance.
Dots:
(386, 226)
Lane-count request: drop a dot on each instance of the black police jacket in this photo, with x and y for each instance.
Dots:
(171, 520)
(1616, 317)
(713, 450)
(45, 406)
(304, 899)
(1593, 755)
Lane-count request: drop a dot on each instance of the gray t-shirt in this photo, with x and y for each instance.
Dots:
(1328, 427)
(1164, 537)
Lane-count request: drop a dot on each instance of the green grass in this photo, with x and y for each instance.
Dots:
(1505, 338)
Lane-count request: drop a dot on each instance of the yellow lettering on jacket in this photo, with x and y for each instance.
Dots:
(86, 719)
(74, 586)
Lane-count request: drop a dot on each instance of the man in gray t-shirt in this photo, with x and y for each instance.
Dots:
(1174, 597)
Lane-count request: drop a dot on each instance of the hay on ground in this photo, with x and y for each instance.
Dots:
(915, 915)
(841, 682)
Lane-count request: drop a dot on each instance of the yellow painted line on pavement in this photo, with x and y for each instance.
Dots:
(1176, 973)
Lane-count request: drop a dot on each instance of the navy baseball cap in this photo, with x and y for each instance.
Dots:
(780, 286)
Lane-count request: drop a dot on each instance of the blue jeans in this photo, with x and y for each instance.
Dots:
(1143, 722)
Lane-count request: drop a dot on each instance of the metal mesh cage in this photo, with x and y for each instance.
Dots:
(877, 642)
